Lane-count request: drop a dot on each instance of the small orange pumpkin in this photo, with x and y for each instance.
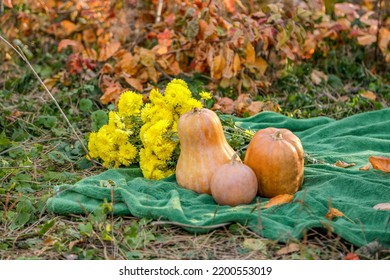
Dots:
(203, 148)
(276, 156)
(233, 183)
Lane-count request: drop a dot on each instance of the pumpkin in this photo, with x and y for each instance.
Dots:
(203, 148)
(233, 183)
(276, 156)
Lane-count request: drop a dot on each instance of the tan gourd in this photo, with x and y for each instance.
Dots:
(203, 148)
(233, 183)
(276, 156)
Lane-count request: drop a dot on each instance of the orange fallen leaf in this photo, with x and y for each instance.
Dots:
(344, 164)
(135, 83)
(351, 256)
(279, 199)
(76, 45)
(384, 39)
(366, 40)
(382, 206)
(365, 167)
(68, 26)
(380, 163)
(333, 213)
(369, 95)
(109, 50)
(261, 64)
(250, 53)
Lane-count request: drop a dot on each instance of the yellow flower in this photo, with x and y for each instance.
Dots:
(114, 121)
(129, 104)
(127, 153)
(205, 95)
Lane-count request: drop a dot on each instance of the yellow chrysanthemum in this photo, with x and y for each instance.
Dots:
(127, 153)
(205, 95)
(129, 104)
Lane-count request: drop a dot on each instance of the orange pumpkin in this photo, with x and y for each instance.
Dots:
(203, 148)
(276, 156)
(233, 183)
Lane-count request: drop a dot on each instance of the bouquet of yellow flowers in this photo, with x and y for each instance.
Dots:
(145, 133)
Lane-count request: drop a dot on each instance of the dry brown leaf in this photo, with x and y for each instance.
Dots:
(344, 164)
(109, 50)
(346, 9)
(367, 39)
(217, 67)
(365, 167)
(236, 64)
(255, 107)
(384, 39)
(279, 199)
(380, 163)
(318, 76)
(333, 213)
(68, 26)
(369, 94)
(382, 206)
(293, 247)
(225, 105)
(76, 46)
(261, 64)
(250, 54)
(135, 83)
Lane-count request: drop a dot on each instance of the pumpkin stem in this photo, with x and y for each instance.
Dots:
(277, 135)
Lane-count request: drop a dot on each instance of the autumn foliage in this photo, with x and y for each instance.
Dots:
(241, 45)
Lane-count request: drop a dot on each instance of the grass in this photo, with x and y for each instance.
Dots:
(38, 151)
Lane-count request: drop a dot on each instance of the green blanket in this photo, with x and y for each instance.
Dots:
(350, 190)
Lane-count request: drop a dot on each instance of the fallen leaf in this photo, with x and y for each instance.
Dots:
(346, 9)
(8, 3)
(384, 39)
(380, 163)
(369, 94)
(261, 64)
(351, 256)
(68, 26)
(344, 164)
(74, 242)
(365, 167)
(76, 46)
(279, 199)
(225, 105)
(290, 248)
(366, 40)
(135, 83)
(255, 107)
(250, 54)
(229, 4)
(318, 76)
(382, 206)
(109, 50)
(333, 212)
(217, 67)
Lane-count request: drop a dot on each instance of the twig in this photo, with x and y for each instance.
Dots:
(379, 3)
(24, 58)
(159, 10)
